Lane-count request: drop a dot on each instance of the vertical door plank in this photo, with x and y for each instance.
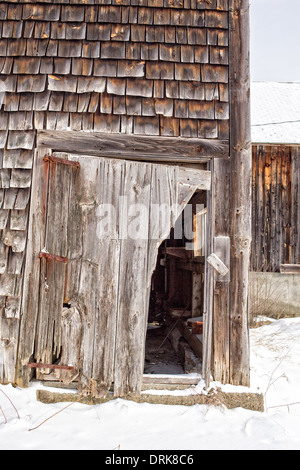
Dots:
(35, 243)
(133, 292)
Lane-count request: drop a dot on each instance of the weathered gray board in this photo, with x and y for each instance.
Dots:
(107, 276)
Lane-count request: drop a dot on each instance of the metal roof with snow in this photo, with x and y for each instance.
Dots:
(275, 112)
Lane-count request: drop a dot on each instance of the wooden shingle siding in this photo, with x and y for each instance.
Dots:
(144, 67)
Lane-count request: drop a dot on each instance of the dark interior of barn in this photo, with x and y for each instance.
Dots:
(175, 322)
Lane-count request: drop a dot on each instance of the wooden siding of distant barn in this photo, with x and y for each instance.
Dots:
(275, 207)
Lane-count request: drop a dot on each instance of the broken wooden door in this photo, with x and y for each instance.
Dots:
(96, 225)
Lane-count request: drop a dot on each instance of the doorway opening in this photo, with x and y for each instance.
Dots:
(174, 339)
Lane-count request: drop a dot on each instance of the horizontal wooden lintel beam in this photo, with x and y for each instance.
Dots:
(134, 147)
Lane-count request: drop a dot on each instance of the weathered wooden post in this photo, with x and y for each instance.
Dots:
(232, 214)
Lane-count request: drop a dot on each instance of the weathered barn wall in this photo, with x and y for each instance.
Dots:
(275, 207)
(143, 67)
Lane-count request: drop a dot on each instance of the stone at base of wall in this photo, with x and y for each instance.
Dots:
(274, 294)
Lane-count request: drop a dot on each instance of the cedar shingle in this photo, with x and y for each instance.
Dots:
(105, 68)
(6, 64)
(82, 67)
(107, 123)
(133, 50)
(126, 124)
(62, 66)
(15, 47)
(42, 30)
(46, 67)
(172, 89)
(132, 68)
(76, 31)
(223, 129)
(214, 73)
(201, 54)
(18, 219)
(70, 102)
(69, 49)
(119, 105)
(187, 72)
(61, 83)
(133, 106)
(216, 19)
(17, 159)
(188, 127)
(3, 11)
(218, 55)
(211, 91)
(145, 16)
(21, 199)
(20, 178)
(29, 28)
(41, 101)
(72, 13)
(91, 84)
(207, 129)
(8, 83)
(138, 32)
(52, 48)
(187, 54)
(20, 140)
(148, 108)
(33, 83)
(113, 50)
(162, 16)
(164, 71)
(164, 107)
(221, 110)
(41, 12)
(83, 101)
(197, 36)
(11, 103)
(159, 89)
(12, 29)
(182, 17)
(14, 12)
(155, 33)
(146, 125)
(116, 86)
(169, 52)
(26, 65)
(26, 101)
(139, 87)
(181, 109)
(36, 47)
(181, 35)
(91, 49)
(58, 30)
(99, 32)
(169, 126)
(201, 109)
(109, 14)
(120, 32)
(149, 51)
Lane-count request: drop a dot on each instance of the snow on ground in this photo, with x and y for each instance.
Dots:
(125, 425)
